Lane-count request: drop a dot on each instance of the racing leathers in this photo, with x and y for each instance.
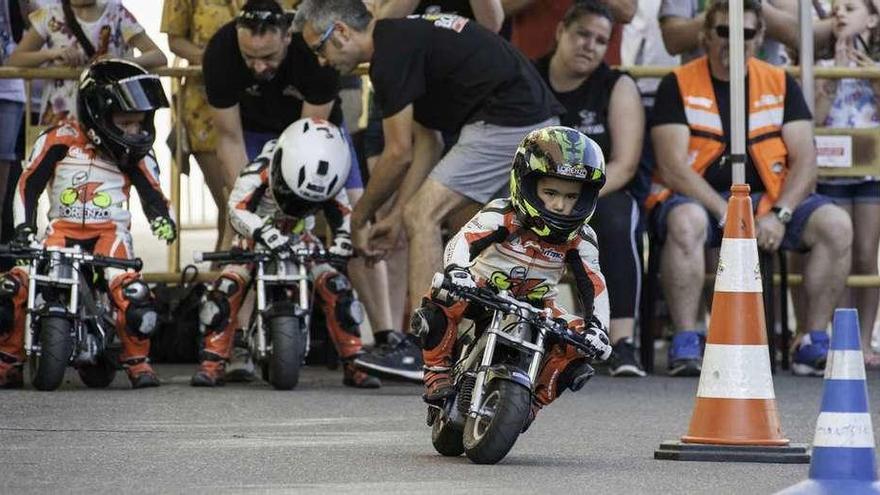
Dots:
(255, 216)
(498, 251)
(88, 198)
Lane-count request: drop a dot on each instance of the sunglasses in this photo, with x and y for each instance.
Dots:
(322, 41)
(724, 32)
(260, 18)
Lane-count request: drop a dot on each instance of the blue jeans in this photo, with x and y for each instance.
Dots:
(11, 116)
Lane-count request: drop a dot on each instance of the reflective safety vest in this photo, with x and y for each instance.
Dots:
(764, 143)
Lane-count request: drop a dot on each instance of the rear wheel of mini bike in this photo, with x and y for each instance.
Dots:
(487, 439)
(447, 439)
(288, 346)
(47, 369)
(100, 374)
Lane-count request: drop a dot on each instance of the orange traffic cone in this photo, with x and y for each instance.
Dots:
(735, 416)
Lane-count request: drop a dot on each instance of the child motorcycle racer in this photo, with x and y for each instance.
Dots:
(89, 166)
(524, 244)
(272, 203)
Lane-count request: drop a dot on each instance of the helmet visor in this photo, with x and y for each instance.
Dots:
(141, 93)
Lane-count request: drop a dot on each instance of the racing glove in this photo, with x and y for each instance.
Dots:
(164, 229)
(273, 239)
(340, 252)
(460, 277)
(594, 335)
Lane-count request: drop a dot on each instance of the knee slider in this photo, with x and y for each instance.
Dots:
(215, 309)
(428, 323)
(9, 287)
(140, 315)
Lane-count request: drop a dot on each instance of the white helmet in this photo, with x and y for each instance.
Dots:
(310, 165)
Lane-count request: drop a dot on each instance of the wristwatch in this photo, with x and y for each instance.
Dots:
(782, 213)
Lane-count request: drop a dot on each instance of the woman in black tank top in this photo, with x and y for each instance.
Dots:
(604, 104)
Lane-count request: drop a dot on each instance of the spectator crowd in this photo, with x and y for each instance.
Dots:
(455, 85)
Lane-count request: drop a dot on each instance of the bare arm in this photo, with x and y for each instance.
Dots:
(427, 149)
(801, 180)
(390, 168)
(680, 34)
(623, 11)
(782, 26)
(392, 9)
(151, 55)
(316, 111)
(28, 53)
(184, 48)
(489, 13)
(230, 142)
(626, 118)
(513, 7)
(671, 151)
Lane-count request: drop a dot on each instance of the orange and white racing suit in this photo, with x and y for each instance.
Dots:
(88, 198)
(499, 251)
(251, 207)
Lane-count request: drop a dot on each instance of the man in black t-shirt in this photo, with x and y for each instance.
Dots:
(430, 73)
(489, 13)
(690, 131)
(260, 78)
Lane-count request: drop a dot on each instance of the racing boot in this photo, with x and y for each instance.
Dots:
(211, 372)
(439, 325)
(10, 371)
(354, 377)
(140, 373)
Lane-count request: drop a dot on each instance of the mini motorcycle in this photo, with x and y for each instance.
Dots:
(70, 320)
(495, 372)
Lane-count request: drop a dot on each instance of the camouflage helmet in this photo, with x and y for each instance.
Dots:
(561, 152)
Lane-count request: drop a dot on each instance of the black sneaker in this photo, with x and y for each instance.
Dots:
(623, 360)
(401, 361)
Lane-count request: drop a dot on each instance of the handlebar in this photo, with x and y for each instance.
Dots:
(512, 306)
(45, 253)
(241, 256)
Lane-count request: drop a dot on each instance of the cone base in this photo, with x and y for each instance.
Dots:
(678, 451)
(832, 487)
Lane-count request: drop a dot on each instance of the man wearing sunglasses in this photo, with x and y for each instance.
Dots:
(688, 201)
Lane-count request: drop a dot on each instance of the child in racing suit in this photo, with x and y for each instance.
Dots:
(90, 166)
(523, 244)
(273, 202)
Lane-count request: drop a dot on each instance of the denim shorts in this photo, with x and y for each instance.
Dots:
(848, 193)
(254, 142)
(794, 231)
(11, 116)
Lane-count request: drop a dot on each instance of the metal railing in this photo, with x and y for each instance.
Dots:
(869, 136)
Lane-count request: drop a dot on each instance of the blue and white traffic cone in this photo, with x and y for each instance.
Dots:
(843, 448)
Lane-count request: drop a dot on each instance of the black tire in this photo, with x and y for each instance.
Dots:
(488, 440)
(56, 347)
(100, 374)
(288, 346)
(447, 439)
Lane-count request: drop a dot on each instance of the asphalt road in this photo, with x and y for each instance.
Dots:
(326, 438)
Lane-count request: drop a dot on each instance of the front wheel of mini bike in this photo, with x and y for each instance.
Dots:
(56, 347)
(447, 439)
(488, 438)
(100, 374)
(288, 346)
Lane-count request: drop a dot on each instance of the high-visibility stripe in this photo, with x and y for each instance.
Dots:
(845, 365)
(772, 117)
(844, 430)
(738, 267)
(702, 118)
(736, 372)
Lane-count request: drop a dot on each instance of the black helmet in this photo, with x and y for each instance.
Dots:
(561, 152)
(114, 85)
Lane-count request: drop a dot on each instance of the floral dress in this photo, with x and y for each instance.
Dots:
(110, 35)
